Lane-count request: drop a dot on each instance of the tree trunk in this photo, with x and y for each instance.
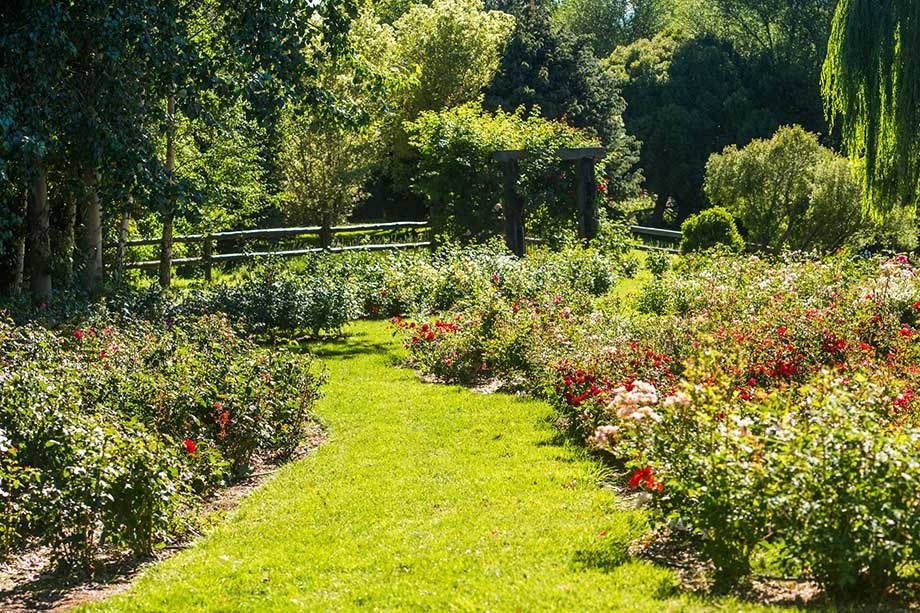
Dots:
(92, 234)
(20, 247)
(661, 204)
(38, 243)
(19, 271)
(67, 245)
(120, 256)
(166, 244)
(10, 261)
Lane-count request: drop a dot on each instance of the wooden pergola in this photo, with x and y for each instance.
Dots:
(585, 192)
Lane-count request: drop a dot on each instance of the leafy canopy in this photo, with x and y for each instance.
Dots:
(871, 87)
(463, 183)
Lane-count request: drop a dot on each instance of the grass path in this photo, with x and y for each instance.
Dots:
(425, 498)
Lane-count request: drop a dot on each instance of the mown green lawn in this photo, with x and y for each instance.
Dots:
(424, 498)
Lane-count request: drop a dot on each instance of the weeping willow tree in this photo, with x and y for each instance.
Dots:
(871, 86)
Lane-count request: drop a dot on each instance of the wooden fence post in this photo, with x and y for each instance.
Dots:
(325, 231)
(122, 247)
(513, 206)
(206, 255)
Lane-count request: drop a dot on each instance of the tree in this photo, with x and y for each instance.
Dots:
(789, 31)
(433, 57)
(606, 24)
(102, 103)
(32, 43)
(455, 46)
(688, 97)
(546, 69)
(871, 86)
(325, 166)
(789, 192)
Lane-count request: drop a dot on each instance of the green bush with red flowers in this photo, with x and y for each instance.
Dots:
(758, 404)
(111, 428)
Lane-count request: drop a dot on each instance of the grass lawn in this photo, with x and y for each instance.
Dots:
(425, 497)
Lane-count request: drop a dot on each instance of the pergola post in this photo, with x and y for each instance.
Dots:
(513, 208)
(586, 198)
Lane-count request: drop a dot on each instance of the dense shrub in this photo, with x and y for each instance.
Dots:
(108, 429)
(710, 228)
(463, 183)
(658, 263)
(789, 192)
(275, 300)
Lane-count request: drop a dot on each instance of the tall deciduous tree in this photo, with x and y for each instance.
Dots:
(688, 97)
(33, 42)
(871, 85)
(93, 96)
(550, 71)
(441, 55)
(789, 31)
(605, 24)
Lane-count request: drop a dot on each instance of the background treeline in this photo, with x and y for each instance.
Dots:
(154, 116)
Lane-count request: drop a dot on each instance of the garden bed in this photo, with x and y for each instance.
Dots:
(768, 406)
(114, 430)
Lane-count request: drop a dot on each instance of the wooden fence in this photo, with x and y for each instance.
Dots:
(658, 236)
(325, 235)
(661, 239)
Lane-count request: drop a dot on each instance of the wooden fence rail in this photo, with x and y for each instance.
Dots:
(659, 235)
(208, 257)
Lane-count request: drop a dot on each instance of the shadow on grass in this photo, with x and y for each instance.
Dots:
(605, 558)
(353, 346)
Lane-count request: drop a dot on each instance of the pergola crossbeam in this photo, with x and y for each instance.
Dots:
(585, 192)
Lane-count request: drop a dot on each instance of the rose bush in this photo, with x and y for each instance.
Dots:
(109, 428)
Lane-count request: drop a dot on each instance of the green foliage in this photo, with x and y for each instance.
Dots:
(611, 23)
(221, 163)
(788, 192)
(817, 471)
(658, 263)
(456, 46)
(433, 56)
(325, 167)
(461, 180)
(550, 72)
(793, 32)
(690, 96)
(709, 228)
(274, 300)
(97, 101)
(499, 303)
(110, 430)
(870, 86)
